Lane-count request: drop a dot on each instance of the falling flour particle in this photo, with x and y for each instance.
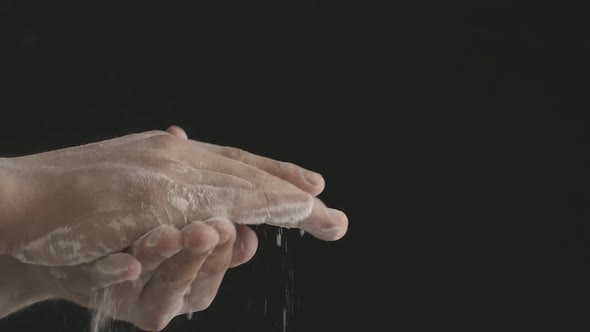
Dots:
(287, 266)
(284, 319)
(189, 314)
(104, 305)
(301, 232)
(279, 240)
(265, 306)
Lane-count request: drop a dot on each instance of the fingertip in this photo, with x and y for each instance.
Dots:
(225, 228)
(328, 234)
(304, 179)
(119, 264)
(315, 183)
(339, 225)
(200, 237)
(338, 216)
(326, 224)
(245, 247)
(133, 270)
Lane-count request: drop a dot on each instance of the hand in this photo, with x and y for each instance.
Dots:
(97, 199)
(90, 278)
(166, 273)
(324, 223)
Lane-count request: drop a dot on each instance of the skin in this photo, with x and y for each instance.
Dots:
(172, 269)
(137, 182)
(168, 272)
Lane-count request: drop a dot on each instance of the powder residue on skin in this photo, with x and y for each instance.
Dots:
(119, 223)
(283, 216)
(72, 245)
(208, 201)
(58, 274)
(180, 203)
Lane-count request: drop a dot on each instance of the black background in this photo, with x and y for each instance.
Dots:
(446, 130)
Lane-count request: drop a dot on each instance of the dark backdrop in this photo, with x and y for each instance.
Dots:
(441, 129)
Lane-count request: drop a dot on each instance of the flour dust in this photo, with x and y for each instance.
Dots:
(105, 305)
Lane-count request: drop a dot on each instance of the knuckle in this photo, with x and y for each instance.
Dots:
(235, 153)
(151, 192)
(284, 168)
(260, 178)
(265, 198)
(168, 166)
(223, 226)
(165, 142)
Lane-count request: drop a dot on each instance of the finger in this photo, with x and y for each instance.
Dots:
(309, 181)
(112, 269)
(245, 246)
(204, 288)
(186, 174)
(325, 223)
(177, 131)
(248, 207)
(163, 296)
(191, 153)
(156, 246)
(242, 206)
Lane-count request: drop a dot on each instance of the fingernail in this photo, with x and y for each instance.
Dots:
(312, 177)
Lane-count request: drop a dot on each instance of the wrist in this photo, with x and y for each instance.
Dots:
(20, 285)
(12, 202)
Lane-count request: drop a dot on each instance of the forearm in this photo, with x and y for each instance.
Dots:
(19, 286)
